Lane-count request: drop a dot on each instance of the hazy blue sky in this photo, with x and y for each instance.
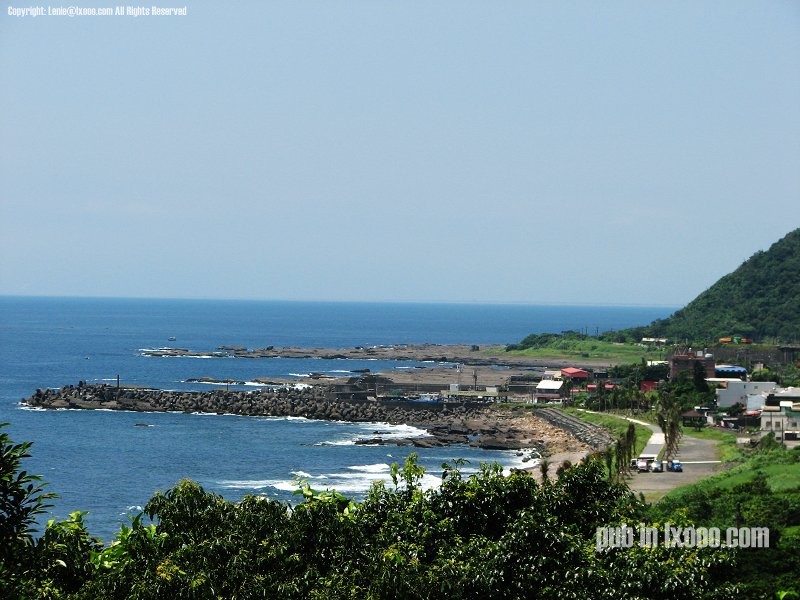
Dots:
(541, 152)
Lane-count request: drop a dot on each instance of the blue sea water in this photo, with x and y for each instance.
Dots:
(102, 462)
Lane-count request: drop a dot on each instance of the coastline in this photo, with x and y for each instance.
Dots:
(438, 365)
(467, 354)
(480, 425)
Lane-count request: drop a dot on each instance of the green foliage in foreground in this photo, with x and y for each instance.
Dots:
(482, 536)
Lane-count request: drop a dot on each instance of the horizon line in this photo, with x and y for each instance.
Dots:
(341, 301)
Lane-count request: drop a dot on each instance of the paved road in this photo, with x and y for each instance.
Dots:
(700, 459)
(656, 441)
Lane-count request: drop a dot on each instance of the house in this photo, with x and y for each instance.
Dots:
(573, 373)
(782, 420)
(548, 390)
(693, 418)
(648, 386)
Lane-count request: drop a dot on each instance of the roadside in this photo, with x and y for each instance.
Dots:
(700, 458)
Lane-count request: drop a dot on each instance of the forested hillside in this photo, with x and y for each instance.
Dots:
(759, 300)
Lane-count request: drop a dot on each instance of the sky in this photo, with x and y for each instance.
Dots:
(624, 152)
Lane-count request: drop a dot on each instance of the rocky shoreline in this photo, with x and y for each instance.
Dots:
(473, 355)
(476, 424)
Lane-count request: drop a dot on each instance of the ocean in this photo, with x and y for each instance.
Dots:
(106, 463)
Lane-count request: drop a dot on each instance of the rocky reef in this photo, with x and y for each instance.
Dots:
(484, 426)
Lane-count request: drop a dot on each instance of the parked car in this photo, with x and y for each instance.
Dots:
(644, 461)
(675, 466)
(656, 466)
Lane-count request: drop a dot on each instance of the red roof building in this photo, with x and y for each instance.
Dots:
(648, 386)
(592, 387)
(574, 373)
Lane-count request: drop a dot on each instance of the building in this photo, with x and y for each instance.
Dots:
(693, 418)
(592, 387)
(750, 394)
(648, 385)
(782, 420)
(654, 341)
(548, 390)
(573, 373)
(685, 363)
(730, 372)
(791, 393)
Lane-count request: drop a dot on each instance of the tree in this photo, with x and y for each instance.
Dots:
(22, 499)
(668, 413)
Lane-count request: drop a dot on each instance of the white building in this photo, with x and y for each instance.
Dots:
(783, 420)
(750, 394)
(548, 390)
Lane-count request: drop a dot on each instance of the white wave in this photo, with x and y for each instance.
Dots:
(388, 431)
(286, 486)
(383, 431)
(26, 407)
(259, 484)
(376, 468)
(336, 443)
(299, 374)
(301, 474)
(300, 386)
(354, 483)
(513, 459)
(338, 371)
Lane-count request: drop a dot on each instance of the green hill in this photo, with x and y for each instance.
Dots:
(759, 300)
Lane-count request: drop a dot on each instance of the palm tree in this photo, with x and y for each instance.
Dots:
(668, 413)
